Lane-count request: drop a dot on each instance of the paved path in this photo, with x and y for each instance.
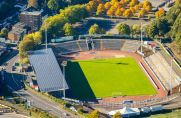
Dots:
(12, 115)
(175, 103)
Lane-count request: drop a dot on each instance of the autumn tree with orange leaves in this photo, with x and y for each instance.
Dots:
(160, 13)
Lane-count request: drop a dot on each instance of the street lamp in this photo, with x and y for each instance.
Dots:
(64, 64)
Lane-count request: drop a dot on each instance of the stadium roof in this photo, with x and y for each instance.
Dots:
(48, 73)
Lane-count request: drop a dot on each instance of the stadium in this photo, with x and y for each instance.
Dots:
(112, 71)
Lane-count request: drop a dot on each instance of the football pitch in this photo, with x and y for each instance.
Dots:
(99, 78)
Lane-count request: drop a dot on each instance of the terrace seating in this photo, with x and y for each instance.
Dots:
(97, 44)
(83, 45)
(66, 47)
(131, 45)
(113, 44)
(162, 70)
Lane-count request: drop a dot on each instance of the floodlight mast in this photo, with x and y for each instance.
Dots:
(141, 38)
(46, 37)
(64, 64)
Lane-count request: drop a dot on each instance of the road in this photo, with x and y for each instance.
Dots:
(173, 104)
(15, 84)
(13, 115)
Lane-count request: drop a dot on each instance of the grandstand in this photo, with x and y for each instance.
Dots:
(113, 44)
(66, 47)
(82, 45)
(131, 45)
(98, 44)
(163, 70)
(85, 65)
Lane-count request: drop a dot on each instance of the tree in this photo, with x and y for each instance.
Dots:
(72, 14)
(94, 29)
(148, 8)
(172, 14)
(136, 29)
(117, 115)
(92, 6)
(147, 5)
(53, 5)
(4, 32)
(163, 26)
(94, 114)
(141, 13)
(133, 3)
(107, 5)
(136, 7)
(37, 36)
(123, 29)
(33, 3)
(118, 12)
(152, 30)
(25, 45)
(127, 13)
(132, 10)
(176, 28)
(160, 13)
(100, 9)
(117, 5)
(113, 2)
(178, 42)
(25, 60)
(111, 11)
(68, 29)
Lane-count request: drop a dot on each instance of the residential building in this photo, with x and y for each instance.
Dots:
(17, 32)
(31, 18)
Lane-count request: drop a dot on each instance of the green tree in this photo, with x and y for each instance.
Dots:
(176, 28)
(152, 30)
(94, 29)
(136, 29)
(117, 115)
(172, 14)
(178, 42)
(33, 3)
(37, 37)
(53, 5)
(25, 45)
(163, 26)
(94, 114)
(25, 60)
(68, 29)
(124, 29)
(4, 32)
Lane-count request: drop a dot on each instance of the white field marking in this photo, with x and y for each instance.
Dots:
(119, 56)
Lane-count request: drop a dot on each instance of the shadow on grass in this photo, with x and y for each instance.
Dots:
(79, 86)
(118, 63)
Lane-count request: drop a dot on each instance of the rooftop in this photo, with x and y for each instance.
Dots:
(47, 70)
(35, 13)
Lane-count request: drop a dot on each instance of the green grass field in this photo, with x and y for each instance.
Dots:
(107, 77)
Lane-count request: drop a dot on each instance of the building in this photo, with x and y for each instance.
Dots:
(47, 71)
(31, 18)
(17, 32)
